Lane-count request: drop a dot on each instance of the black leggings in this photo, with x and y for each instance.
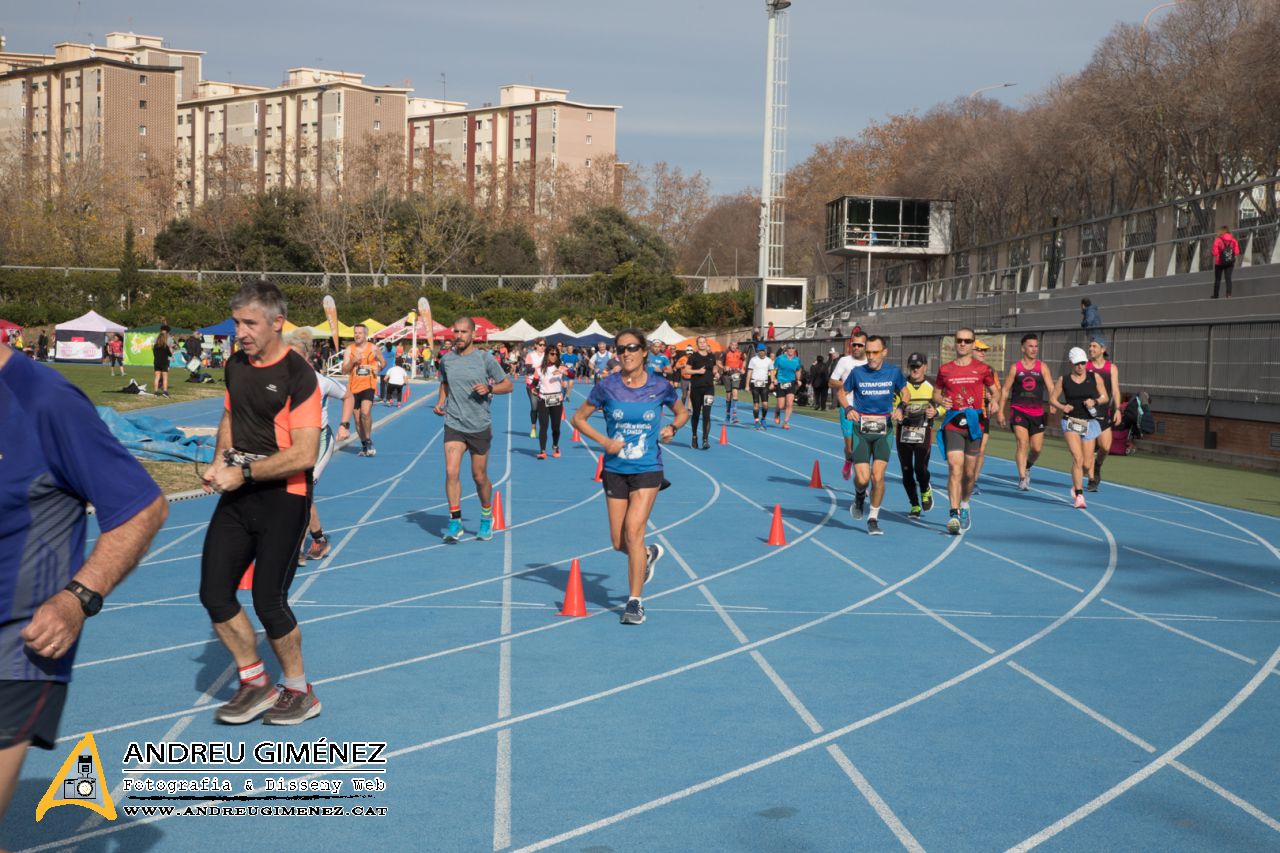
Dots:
(263, 525)
(552, 413)
(534, 401)
(700, 409)
(915, 467)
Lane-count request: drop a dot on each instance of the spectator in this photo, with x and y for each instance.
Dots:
(768, 333)
(161, 354)
(1225, 251)
(59, 457)
(395, 377)
(755, 336)
(819, 376)
(115, 354)
(1091, 321)
(42, 348)
(193, 347)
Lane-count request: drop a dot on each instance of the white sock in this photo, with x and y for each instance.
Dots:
(964, 504)
(298, 685)
(875, 513)
(634, 598)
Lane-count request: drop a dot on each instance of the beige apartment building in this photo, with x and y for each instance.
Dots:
(114, 105)
(530, 129)
(233, 137)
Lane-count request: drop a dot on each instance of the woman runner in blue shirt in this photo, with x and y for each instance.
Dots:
(788, 367)
(632, 402)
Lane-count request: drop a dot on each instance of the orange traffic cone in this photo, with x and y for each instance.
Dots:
(246, 580)
(577, 436)
(600, 468)
(407, 389)
(499, 523)
(815, 479)
(564, 416)
(776, 534)
(573, 603)
(724, 434)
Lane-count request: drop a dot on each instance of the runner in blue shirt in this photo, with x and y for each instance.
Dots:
(600, 362)
(867, 399)
(788, 367)
(56, 456)
(570, 359)
(632, 402)
(659, 364)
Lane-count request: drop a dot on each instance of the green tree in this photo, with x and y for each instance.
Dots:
(507, 251)
(600, 240)
(129, 278)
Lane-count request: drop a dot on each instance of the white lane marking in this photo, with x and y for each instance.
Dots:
(1241, 803)
(502, 762)
(1112, 508)
(1202, 571)
(1181, 633)
(1083, 708)
(877, 802)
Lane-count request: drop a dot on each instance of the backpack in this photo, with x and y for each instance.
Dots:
(1227, 254)
(1144, 420)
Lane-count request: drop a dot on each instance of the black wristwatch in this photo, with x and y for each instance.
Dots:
(247, 473)
(90, 601)
(346, 424)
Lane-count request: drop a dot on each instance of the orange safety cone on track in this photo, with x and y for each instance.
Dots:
(499, 522)
(724, 434)
(776, 534)
(564, 416)
(815, 479)
(246, 580)
(407, 389)
(577, 436)
(600, 468)
(573, 602)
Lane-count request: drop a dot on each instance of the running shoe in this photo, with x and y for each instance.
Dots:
(555, 453)
(1091, 486)
(1080, 504)
(454, 532)
(953, 526)
(694, 442)
(858, 506)
(776, 420)
(292, 707)
(633, 614)
(847, 470)
(966, 521)
(370, 450)
(655, 553)
(542, 454)
(247, 704)
(873, 528)
(926, 500)
(915, 512)
(706, 444)
(485, 532)
(1024, 484)
(319, 548)
(533, 432)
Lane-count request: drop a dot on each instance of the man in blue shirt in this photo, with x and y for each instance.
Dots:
(56, 456)
(788, 367)
(658, 363)
(867, 399)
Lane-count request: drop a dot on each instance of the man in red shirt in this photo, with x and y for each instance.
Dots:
(1225, 252)
(962, 387)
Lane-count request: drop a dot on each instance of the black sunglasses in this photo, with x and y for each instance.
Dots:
(857, 345)
(621, 348)
(964, 340)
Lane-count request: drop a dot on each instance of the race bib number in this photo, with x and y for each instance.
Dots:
(873, 424)
(734, 377)
(914, 434)
(362, 371)
(759, 383)
(553, 399)
(1080, 426)
(708, 399)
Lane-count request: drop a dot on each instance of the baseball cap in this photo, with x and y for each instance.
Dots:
(981, 344)
(760, 347)
(916, 360)
(1077, 356)
(689, 348)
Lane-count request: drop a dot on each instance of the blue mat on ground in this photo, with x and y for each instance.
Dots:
(150, 437)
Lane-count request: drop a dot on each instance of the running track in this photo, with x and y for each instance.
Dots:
(1079, 680)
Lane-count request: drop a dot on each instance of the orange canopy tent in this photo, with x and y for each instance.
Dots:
(712, 344)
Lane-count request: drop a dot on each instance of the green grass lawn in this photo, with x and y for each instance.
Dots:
(1215, 483)
(96, 381)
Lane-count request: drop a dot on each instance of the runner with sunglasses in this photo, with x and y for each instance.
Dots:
(532, 361)
(469, 378)
(867, 399)
(632, 402)
(854, 357)
(961, 388)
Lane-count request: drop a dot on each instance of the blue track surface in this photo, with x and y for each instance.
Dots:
(1082, 680)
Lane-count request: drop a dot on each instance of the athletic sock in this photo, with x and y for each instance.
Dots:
(297, 685)
(874, 514)
(253, 675)
(964, 504)
(485, 512)
(634, 598)
(455, 512)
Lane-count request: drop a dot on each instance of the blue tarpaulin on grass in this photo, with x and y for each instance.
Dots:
(150, 437)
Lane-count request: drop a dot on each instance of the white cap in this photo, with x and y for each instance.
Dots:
(1077, 356)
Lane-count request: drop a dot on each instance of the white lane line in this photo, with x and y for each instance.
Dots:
(937, 617)
(1181, 633)
(1153, 767)
(1203, 571)
(1026, 568)
(1112, 508)
(1241, 803)
(882, 808)
(1083, 708)
(502, 762)
(835, 734)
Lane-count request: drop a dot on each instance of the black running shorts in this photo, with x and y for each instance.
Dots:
(620, 486)
(362, 397)
(30, 711)
(477, 442)
(1033, 424)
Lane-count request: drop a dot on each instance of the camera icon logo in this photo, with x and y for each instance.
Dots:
(85, 787)
(79, 782)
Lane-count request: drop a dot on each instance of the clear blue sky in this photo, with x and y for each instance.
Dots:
(689, 74)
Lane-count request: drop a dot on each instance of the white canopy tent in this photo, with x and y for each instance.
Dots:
(595, 329)
(666, 334)
(517, 332)
(557, 328)
(84, 339)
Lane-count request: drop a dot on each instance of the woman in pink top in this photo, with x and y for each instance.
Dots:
(548, 384)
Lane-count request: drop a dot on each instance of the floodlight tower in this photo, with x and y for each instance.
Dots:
(773, 181)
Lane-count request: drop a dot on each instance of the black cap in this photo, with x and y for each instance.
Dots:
(916, 360)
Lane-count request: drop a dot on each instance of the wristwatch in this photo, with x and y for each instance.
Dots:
(247, 473)
(346, 424)
(90, 601)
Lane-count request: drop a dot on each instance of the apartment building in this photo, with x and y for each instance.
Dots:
(530, 129)
(84, 104)
(234, 137)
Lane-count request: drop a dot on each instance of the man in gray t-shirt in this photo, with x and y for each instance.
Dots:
(468, 380)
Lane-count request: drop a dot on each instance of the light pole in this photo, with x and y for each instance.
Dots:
(976, 92)
(773, 177)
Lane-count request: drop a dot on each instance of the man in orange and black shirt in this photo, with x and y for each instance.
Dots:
(267, 444)
(363, 363)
